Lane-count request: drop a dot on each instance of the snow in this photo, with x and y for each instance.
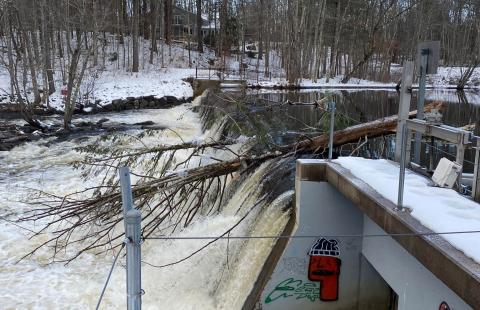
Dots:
(322, 83)
(164, 77)
(446, 78)
(4, 84)
(120, 85)
(451, 75)
(171, 65)
(439, 209)
(4, 81)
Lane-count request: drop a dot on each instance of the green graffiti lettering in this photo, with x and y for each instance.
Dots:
(290, 287)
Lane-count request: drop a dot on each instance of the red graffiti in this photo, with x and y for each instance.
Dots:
(324, 267)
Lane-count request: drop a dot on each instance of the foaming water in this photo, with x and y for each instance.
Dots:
(218, 278)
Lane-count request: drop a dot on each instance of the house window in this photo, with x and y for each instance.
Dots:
(176, 20)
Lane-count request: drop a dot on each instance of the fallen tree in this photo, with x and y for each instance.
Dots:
(171, 195)
(351, 134)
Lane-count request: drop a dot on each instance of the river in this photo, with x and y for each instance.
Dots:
(221, 276)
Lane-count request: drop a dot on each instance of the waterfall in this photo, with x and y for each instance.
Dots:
(220, 277)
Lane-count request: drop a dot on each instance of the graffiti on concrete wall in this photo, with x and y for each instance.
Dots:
(324, 267)
(298, 289)
(322, 272)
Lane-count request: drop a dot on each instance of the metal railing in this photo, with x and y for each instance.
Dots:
(461, 138)
(225, 74)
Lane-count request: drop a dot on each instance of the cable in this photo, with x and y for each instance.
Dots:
(445, 152)
(317, 236)
(108, 278)
(19, 226)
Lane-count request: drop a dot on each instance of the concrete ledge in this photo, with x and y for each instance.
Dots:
(310, 170)
(270, 264)
(450, 265)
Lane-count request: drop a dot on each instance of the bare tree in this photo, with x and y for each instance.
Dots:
(135, 34)
(199, 26)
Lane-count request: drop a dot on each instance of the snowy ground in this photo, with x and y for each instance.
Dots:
(440, 209)
(450, 76)
(322, 83)
(447, 77)
(164, 77)
(110, 85)
(118, 84)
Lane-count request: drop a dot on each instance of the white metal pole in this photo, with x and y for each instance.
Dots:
(331, 107)
(401, 181)
(421, 101)
(126, 186)
(132, 221)
(404, 105)
(134, 277)
(476, 174)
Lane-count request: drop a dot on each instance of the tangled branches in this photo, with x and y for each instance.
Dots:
(91, 217)
(171, 190)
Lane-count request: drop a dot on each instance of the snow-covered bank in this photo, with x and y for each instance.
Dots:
(446, 78)
(102, 84)
(111, 85)
(320, 83)
(440, 209)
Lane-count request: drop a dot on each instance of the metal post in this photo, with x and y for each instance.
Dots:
(421, 101)
(401, 181)
(133, 219)
(404, 105)
(331, 108)
(127, 200)
(476, 174)
(459, 159)
(431, 153)
(408, 147)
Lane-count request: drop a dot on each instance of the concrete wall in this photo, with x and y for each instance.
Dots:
(374, 292)
(415, 285)
(323, 211)
(371, 269)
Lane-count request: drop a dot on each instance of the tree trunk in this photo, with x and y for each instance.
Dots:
(153, 25)
(47, 51)
(199, 27)
(69, 103)
(33, 71)
(468, 74)
(95, 33)
(359, 65)
(136, 8)
(168, 10)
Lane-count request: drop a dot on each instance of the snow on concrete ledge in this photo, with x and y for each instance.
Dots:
(439, 209)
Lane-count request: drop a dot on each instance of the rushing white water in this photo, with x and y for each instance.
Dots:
(217, 278)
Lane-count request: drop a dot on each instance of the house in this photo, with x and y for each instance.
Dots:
(184, 25)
